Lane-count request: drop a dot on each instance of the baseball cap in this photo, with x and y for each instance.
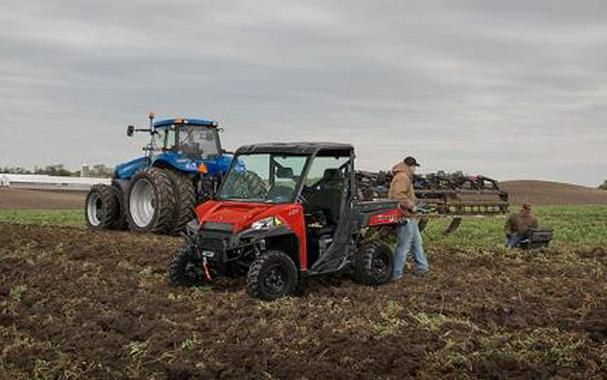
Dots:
(411, 161)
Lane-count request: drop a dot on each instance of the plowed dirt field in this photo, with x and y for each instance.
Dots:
(78, 304)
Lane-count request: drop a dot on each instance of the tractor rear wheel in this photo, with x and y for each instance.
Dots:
(185, 200)
(374, 264)
(150, 202)
(120, 223)
(102, 207)
(186, 267)
(271, 276)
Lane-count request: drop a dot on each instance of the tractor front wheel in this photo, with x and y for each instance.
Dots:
(102, 208)
(271, 276)
(374, 264)
(150, 202)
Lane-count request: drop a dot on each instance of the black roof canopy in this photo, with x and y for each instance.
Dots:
(297, 148)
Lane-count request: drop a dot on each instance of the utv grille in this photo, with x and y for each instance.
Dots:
(216, 245)
(215, 226)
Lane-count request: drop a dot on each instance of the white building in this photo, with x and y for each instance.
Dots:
(47, 182)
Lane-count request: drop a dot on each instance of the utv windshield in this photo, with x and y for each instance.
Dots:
(264, 177)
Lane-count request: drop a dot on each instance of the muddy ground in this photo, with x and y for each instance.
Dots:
(41, 199)
(98, 305)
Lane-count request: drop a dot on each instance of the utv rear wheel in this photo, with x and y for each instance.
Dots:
(374, 264)
(186, 268)
(271, 276)
(185, 200)
(102, 207)
(151, 202)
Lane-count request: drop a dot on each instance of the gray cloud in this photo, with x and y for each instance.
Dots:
(511, 89)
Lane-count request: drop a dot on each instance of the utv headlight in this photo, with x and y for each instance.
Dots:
(266, 223)
(191, 229)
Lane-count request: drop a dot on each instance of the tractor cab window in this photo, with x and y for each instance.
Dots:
(170, 138)
(198, 142)
(164, 138)
(264, 177)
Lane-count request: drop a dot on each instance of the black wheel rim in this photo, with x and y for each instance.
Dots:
(274, 280)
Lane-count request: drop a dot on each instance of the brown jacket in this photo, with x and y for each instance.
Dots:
(520, 223)
(401, 188)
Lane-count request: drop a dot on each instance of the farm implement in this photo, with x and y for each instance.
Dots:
(283, 212)
(441, 195)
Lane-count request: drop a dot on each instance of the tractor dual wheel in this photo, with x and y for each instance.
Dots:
(103, 208)
(187, 267)
(151, 202)
(185, 199)
(374, 264)
(272, 275)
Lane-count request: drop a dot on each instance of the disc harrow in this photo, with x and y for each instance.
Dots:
(440, 195)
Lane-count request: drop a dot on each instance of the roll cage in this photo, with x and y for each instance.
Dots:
(312, 150)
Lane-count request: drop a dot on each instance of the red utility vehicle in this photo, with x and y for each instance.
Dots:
(284, 211)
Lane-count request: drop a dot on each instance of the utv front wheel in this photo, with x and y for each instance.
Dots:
(271, 276)
(102, 207)
(374, 264)
(187, 267)
(150, 202)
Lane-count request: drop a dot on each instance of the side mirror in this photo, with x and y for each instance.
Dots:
(130, 130)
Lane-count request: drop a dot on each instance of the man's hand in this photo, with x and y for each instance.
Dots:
(407, 205)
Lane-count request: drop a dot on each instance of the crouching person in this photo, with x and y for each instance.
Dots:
(409, 236)
(518, 225)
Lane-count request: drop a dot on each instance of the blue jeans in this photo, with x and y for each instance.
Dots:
(409, 236)
(513, 241)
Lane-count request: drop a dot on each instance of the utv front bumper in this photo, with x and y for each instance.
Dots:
(220, 245)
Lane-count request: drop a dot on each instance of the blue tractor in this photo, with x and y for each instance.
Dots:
(183, 165)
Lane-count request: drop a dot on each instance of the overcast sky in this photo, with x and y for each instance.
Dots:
(510, 89)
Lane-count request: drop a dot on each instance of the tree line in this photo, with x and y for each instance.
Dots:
(98, 170)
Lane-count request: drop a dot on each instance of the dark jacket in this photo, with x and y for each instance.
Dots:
(401, 188)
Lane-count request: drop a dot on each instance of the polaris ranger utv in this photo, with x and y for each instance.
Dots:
(284, 211)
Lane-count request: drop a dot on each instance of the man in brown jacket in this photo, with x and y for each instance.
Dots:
(518, 225)
(401, 189)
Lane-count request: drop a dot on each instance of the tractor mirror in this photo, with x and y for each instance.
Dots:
(129, 130)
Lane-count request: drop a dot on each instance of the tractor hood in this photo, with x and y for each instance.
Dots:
(240, 215)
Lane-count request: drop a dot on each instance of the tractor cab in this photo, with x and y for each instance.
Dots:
(285, 210)
(194, 139)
